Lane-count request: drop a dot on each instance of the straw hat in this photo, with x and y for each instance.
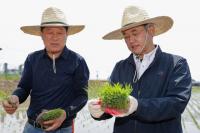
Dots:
(134, 16)
(52, 17)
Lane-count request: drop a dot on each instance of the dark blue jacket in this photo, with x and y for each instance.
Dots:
(162, 92)
(48, 90)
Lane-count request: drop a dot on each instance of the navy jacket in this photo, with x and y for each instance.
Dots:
(64, 89)
(162, 92)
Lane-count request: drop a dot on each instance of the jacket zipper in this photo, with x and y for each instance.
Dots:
(54, 64)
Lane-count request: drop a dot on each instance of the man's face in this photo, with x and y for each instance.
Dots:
(54, 39)
(136, 38)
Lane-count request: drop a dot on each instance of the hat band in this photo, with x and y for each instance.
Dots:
(53, 23)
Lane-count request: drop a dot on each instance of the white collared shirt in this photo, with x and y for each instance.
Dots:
(142, 65)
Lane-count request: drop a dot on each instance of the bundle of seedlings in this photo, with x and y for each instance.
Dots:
(114, 99)
(47, 115)
(4, 97)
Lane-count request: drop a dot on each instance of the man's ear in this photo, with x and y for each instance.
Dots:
(151, 30)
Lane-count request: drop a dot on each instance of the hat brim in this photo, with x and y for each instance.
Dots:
(36, 29)
(161, 24)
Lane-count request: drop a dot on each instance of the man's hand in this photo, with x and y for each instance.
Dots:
(52, 125)
(133, 104)
(94, 107)
(11, 104)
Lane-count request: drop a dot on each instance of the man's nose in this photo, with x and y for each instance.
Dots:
(55, 37)
(132, 39)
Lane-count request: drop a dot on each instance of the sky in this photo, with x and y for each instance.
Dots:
(99, 18)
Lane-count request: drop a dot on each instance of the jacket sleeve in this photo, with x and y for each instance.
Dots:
(81, 77)
(173, 104)
(25, 83)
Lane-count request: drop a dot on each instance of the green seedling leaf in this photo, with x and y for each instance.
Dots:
(115, 96)
(50, 115)
(4, 96)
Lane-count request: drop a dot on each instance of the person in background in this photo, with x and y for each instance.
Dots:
(55, 77)
(161, 81)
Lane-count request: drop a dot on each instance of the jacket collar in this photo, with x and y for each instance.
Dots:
(157, 55)
(131, 59)
(64, 53)
(158, 52)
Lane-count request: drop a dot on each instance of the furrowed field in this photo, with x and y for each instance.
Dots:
(84, 123)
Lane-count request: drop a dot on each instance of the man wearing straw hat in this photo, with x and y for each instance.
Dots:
(55, 77)
(161, 81)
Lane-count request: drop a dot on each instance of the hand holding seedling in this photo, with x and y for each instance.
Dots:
(52, 119)
(114, 100)
(133, 104)
(95, 108)
(10, 104)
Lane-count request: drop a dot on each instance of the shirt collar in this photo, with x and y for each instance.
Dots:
(64, 53)
(147, 56)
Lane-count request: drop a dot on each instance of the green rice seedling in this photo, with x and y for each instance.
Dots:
(115, 96)
(4, 96)
(50, 115)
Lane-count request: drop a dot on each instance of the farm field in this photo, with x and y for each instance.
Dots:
(84, 123)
